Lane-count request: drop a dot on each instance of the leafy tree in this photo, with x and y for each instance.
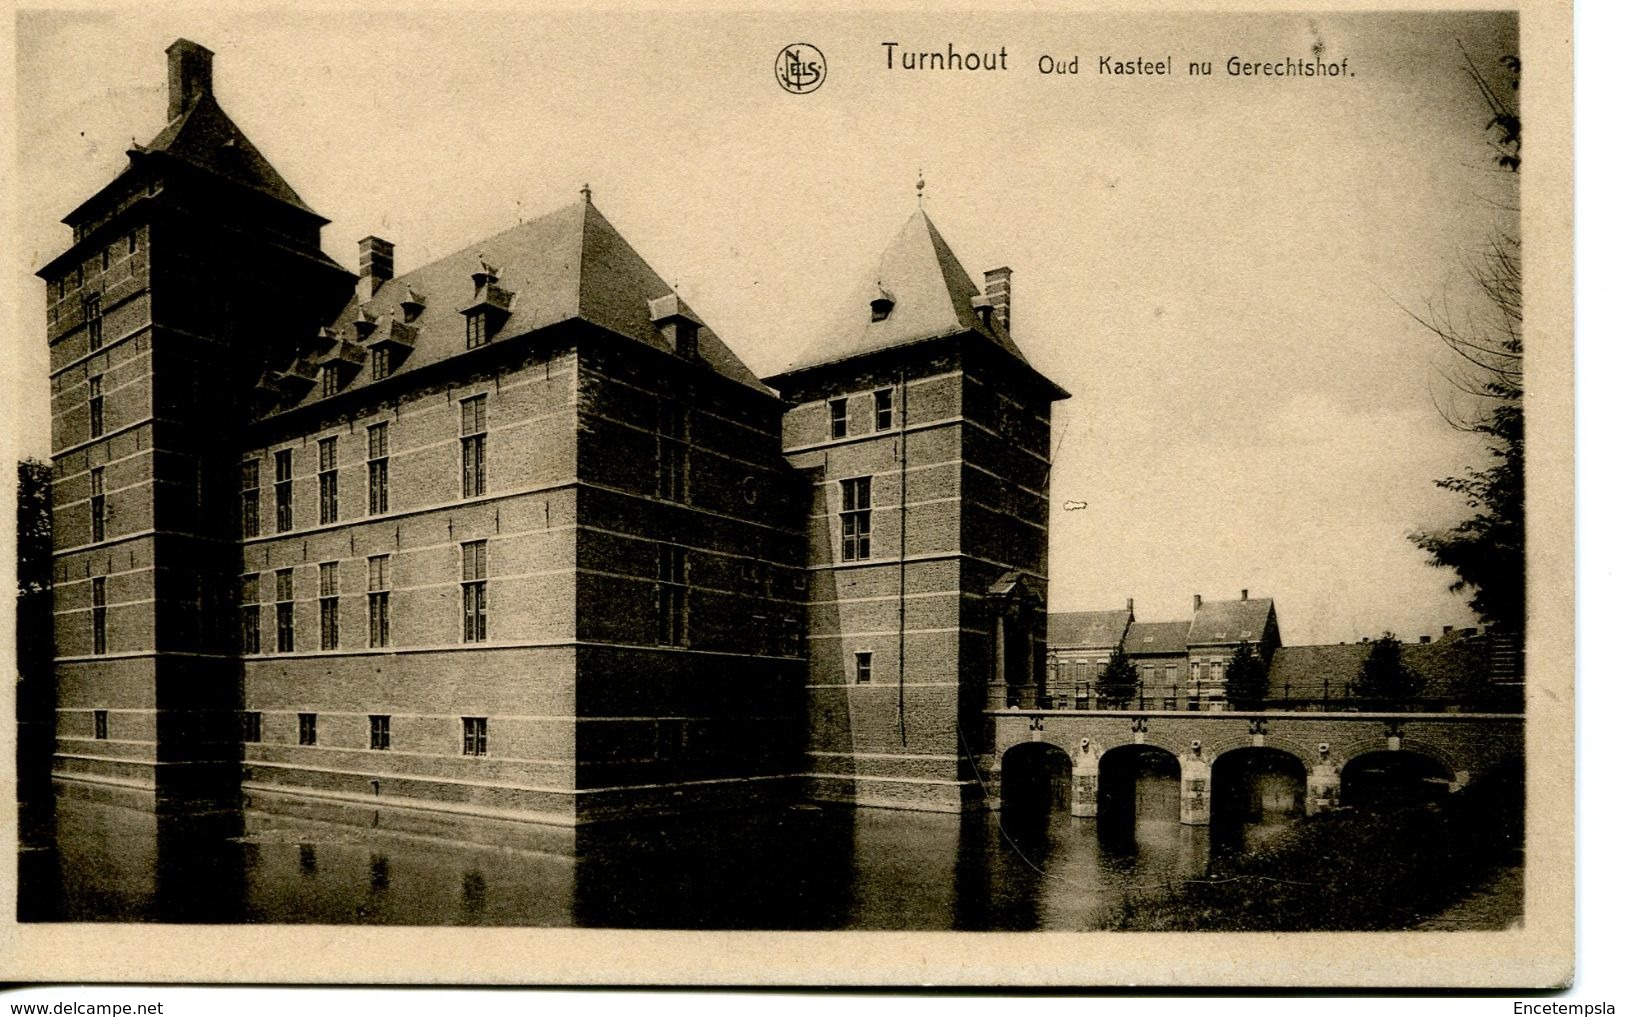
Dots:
(1120, 682)
(1385, 681)
(35, 692)
(1486, 550)
(1246, 679)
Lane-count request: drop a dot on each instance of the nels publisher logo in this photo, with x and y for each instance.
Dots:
(799, 68)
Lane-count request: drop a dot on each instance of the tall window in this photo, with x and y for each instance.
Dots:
(378, 600)
(473, 736)
(855, 519)
(671, 451)
(284, 490)
(475, 331)
(378, 468)
(252, 723)
(380, 362)
(474, 592)
(330, 604)
(101, 725)
(671, 595)
(330, 379)
(251, 613)
(473, 446)
(284, 610)
(883, 407)
(98, 504)
(864, 666)
(98, 615)
(96, 406)
(92, 305)
(327, 479)
(251, 498)
(307, 729)
(378, 734)
(837, 418)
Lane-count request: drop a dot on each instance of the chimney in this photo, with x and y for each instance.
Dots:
(1448, 629)
(1243, 594)
(1196, 602)
(191, 75)
(1131, 608)
(677, 324)
(377, 265)
(996, 287)
(1425, 640)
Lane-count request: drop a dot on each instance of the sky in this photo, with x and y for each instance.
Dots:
(1217, 268)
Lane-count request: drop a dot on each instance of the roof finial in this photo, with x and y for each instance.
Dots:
(919, 189)
(586, 193)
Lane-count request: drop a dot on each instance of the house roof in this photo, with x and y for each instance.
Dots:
(204, 137)
(1087, 629)
(931, 295)
(1449, 670)
(568, 264)
(1231, 621)
(1156, 637)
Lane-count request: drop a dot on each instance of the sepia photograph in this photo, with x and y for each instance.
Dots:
(891, 476)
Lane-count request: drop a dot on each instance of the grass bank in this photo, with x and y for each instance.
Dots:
(1347, 870)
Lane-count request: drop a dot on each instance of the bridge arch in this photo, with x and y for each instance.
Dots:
(1446, 758)
(1139, 780)
(1035, 777)
(1258, 783)
(1387, 777)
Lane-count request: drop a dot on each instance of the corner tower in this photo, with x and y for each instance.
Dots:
(925, 435)
(187, 274)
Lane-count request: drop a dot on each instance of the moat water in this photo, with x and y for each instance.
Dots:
(796, 867)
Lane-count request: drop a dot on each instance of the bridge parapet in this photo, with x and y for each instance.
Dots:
(1461, 743)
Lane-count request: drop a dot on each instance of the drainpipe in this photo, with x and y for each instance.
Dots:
(902, 544)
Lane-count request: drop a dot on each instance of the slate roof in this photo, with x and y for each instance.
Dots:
(1156, 637)
(206, 138)
(1087, 630)
(1453, 669)
(1231, 621)
(568, 264)
(931, 294)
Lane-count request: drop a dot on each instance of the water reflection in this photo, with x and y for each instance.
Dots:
(797, 867)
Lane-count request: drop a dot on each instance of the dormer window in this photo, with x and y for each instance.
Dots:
(330, 380)
(882, 303)
(412, 306)
(478, 332)
(380, 362)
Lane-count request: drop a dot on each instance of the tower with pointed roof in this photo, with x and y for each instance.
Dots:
(184, 273)
(923, 433)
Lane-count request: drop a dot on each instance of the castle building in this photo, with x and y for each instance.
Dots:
(515, 533)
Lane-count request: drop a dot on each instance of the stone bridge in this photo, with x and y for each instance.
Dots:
(1459, 744)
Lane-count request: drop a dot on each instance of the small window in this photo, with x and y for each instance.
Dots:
(98, 504)
(101, 725)
(380, 362)
(378, 468)
(378, 731)
(98, 615)
(474, 736)
(252, 721)
(864, 662)
(131, 243)
(855, 519)
(330, 379)
(107, 259)
(307, 729)
(473, 446)
(883, 407)
(251, 498)
(474, 605)
(327, 479)
(837, 418)
(250, 609)
(284, 610)
(92, 306)
(96, 406)
(284, 490)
